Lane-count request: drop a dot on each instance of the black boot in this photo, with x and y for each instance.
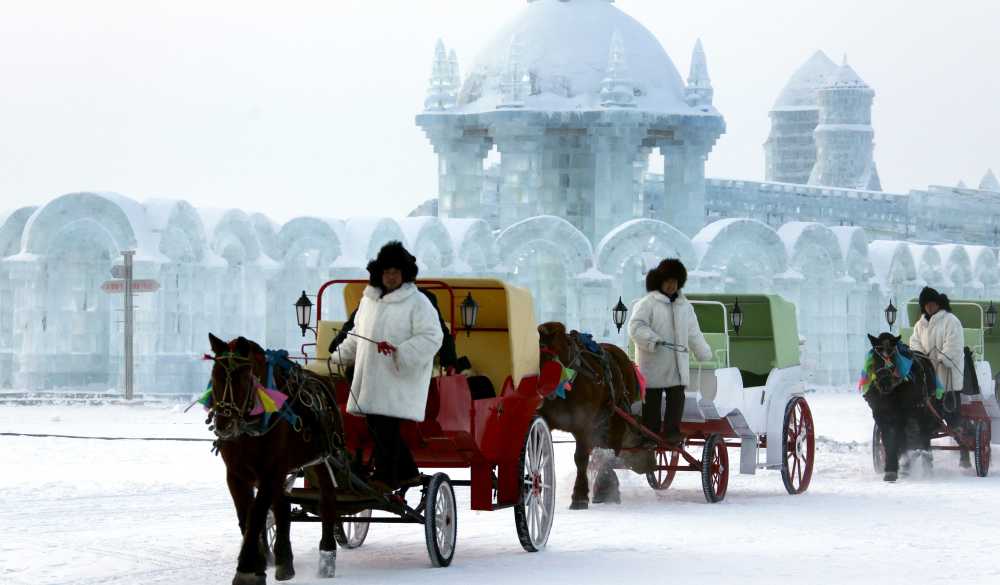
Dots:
(675, 412)
(651, 414)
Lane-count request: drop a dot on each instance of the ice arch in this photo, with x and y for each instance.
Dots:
(984, 267)
(820, 299)
(747, 253)
(854, 250)
(181, 230)
(957, 267)
(631, 249)
(364, 236)
(430, 242)
(267, 235)
(896, 271)
(928, 263)
(864, 303)
(544, 253)
(474, 245)
(12, 226)
(237, 306)
(121, 219)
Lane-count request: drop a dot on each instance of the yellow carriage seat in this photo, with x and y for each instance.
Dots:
(325, 332)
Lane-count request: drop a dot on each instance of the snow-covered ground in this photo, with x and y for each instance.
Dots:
(93, 511)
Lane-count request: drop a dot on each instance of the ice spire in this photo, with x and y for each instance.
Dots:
(617, 90)
(454, 74)
(989, 182)
(516, 83)
(699, 90)
(441, 89)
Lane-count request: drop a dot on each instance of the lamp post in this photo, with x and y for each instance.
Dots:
(890, 315)
(618, 314)
(737, 317)
(303, 312)
(991, 316)
(470, 313)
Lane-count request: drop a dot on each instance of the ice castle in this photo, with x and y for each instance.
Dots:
(543, 148)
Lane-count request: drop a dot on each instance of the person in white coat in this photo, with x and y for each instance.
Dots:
(938, 334)
(392, 373)
(664, 329)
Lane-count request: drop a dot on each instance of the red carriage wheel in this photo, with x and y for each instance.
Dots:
(666, 469)
(798, 446)
(983, 450)
(715, 468)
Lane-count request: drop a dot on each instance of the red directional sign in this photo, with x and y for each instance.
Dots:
(138, 286)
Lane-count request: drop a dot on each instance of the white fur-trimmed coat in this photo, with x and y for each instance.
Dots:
(393, 385)
(942, 340)
(654, 319)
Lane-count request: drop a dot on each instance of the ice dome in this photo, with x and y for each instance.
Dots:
(564, 47)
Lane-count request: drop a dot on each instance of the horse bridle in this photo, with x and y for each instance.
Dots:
(225, 405)
(888, 364)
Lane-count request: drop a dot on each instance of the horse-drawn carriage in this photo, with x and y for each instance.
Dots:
(750, 396)
(975, 412)
(494, 431)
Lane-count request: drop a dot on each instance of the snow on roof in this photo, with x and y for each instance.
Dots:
(801, 89)
(845, 77)
(564, 47)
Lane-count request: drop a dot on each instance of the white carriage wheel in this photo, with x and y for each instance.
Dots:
(535, 509)
(440, 520)
(353, 534)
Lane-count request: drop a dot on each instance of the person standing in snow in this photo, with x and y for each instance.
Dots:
(664, 328)
(392, 374)
(938, 334)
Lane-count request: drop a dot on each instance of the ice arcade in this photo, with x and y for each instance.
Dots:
(543, 148)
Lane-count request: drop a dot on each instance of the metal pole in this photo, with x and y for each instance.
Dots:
(129, 325)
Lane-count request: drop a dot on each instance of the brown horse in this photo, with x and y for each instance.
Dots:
(262, 451)
(603, 379)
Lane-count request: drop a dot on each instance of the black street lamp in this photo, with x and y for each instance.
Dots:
(991, 316)
(890, 314)
(303, 312)
(737, 317)
(470, 313)
(618, 314)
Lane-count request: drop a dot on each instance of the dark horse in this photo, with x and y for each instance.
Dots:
(261, 451)
(604, 378)
(898, 402)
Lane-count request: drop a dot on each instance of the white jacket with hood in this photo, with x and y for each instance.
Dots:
(395, 385)
(942, 339)
(655, 318)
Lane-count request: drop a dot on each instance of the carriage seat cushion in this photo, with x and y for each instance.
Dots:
(480, 387)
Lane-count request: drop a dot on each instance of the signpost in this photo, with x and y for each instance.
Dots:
(128, 286)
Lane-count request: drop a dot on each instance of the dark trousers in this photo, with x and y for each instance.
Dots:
(393, 460)
(675, 408)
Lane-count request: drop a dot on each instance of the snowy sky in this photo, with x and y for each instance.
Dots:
(307, 107)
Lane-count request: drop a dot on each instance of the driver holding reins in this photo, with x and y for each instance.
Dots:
(664, 328)
(393, 365)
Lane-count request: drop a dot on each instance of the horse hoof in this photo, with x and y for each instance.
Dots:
(579, 505)
(327, 564)
(249, 579)
(889, 476)
(284, 572)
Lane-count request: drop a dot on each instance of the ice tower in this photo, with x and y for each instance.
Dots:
(790, 150)
(574, 95)
(844, 144)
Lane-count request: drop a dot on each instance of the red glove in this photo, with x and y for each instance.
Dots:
(386, 348)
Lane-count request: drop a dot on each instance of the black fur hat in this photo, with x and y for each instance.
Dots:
(929, 295)
(667, 269)
(392, 255)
